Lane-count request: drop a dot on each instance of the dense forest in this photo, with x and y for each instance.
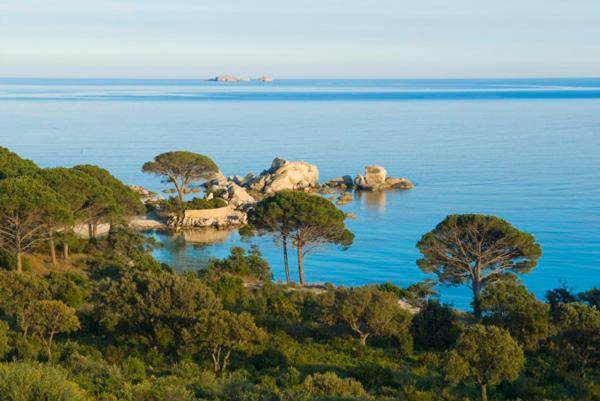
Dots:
(98, 318)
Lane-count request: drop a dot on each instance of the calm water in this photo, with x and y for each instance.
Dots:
(526, 150)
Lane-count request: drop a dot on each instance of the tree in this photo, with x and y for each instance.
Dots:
(487, 355)
(222, 332)
(27, 208)
(579, 335)
(273, 214)
(157, 306)
(88, 200)
(308, 220)
(368, 311)
(510, 306)
(435, 326)
(46, 318)
(19, 290)
(12, 165)
(181, 168)
(477, 250)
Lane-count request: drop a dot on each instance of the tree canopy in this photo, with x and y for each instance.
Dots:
(308, 220)
(13, 165)
(477, 250)
(509, 305)
(128, 201)
(368, 311)
(487, 355)
(27, 208)
(181, 168)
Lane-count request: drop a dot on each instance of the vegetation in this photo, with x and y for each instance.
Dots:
(478, 251)
(173, 205)
(111, 323)
(180, 168)
(307, 220)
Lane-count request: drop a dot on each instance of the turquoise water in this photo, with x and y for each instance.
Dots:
(526, 150)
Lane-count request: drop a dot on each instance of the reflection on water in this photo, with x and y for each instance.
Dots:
(373, 200)
(188, 249)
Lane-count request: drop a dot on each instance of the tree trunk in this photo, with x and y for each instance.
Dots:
(50, 347)
(66, 251)
(94, 230)
(484, 392)
(363, 338)
(90, 230)
(476, 301)
(286, 264)
(52, 248)
(19, 262)
(300, 264)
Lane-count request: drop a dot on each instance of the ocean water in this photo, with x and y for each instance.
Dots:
(525, 150)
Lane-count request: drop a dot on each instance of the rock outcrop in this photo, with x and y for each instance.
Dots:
(284, 175)
(265, 78)
(376, 179)
(222, 217)
(237, 196)
(227, 78)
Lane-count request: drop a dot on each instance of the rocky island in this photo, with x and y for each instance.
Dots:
(231, 197)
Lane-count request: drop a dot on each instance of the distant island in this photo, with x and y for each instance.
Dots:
(232, 78)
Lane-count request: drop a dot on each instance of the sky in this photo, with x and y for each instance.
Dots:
(300, 39)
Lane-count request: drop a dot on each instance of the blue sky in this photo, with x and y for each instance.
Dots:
(302, 38)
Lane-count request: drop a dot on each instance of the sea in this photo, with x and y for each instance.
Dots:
(526, 150)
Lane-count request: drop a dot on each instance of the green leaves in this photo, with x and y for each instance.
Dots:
(477, 250)
(12, 165)
(486, 355)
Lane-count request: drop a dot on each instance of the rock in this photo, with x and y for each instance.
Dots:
(223, 217)
(237, 196)
(265, 78)
(227, 78)
(344, 198)
(285, 175)
(399, 183)
(375, 179)
(375, 174)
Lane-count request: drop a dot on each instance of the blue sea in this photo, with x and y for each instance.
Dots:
(527, 150)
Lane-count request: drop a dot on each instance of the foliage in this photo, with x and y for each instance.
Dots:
(27, 208)
(308, 220)
(45, 319)
(154, 305)
(128, 201)
(242, 264)
(222, 332)
(173, 205)
(368, 311)
(4, 338)
(486, 355)
(19, 291)
(478, 251)
(181, 168)
(12, 165)
(22, 381)
(435, 327)
(510, 306)
(329, 384)
(579, 335)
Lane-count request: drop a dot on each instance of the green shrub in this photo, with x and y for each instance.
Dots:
(329, 384)
(21, 381)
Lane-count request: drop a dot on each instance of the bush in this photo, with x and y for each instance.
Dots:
(172, 204)
(434, 327)
(329, 384)
(20, 381)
